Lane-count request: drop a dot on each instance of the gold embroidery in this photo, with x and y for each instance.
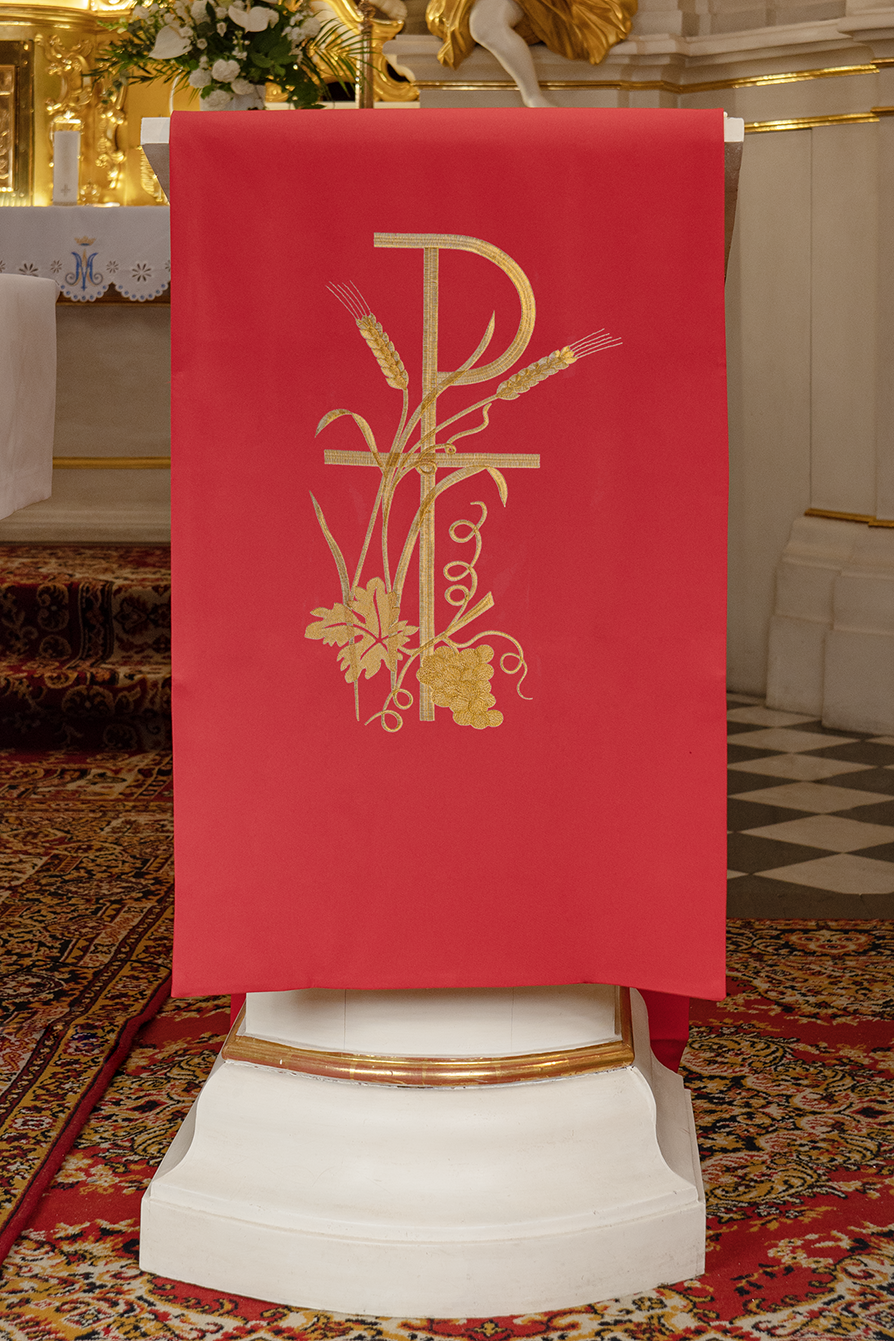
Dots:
(387, 356)
(460, 681)
(366, 625)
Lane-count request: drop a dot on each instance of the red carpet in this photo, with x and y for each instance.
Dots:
(791, 1078)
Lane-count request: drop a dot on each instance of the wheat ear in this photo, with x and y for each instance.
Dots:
(526, 378)
(387, 356)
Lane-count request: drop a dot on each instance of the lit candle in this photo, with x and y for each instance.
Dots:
(66, 161)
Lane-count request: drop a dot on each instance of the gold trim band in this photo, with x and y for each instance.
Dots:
(662, 85)
(860, 517)
(423, 1072)
(111, 463)
(806, 122)
(787, 77)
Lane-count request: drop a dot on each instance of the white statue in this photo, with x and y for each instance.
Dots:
(576, 29)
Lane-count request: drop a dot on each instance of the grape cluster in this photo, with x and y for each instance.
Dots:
(460, 681)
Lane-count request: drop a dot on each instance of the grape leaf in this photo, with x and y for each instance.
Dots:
(370, 633)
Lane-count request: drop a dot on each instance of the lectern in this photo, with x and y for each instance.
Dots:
(448, 537)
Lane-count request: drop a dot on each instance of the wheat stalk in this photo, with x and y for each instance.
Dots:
(526, 378)
(386, 355)
(557, 361)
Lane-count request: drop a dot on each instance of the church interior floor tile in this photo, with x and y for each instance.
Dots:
(817, 797)
(838, 833)
(788, 739)
(746, 853)
(798, 767)
(843, 873)
(873, 780)
(744, 815)
(870, 752)
(810, 817)
(744, 783)
(880, 813)
(741, 753)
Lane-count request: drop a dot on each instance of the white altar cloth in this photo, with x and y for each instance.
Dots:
(88, 248)
(27, 390)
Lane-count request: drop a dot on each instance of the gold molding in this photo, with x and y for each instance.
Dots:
(474, 85)
(111, 463)
(862, 518)
(808, 122)
(423, 1072)
(663, 85)
(52, 16)
(786, 77)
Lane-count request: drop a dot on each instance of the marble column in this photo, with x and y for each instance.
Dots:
(831, 648)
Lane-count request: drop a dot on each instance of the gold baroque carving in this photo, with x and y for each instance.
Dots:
(91, 106)
(111, 116)
(7, 127)
(385, 87)
(15, 119)
(75, 94)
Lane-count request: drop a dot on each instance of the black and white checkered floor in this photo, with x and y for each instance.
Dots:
(811, 817)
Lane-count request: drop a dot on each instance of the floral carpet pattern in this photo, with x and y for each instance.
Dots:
(85, 646)
(791, 1081)
(85, 931)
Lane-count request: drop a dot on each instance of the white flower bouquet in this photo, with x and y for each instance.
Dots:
(229, 51)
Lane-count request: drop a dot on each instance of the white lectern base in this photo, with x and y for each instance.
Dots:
(432, 1198)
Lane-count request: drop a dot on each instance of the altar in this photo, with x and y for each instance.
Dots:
(90, 251)
(111, 270)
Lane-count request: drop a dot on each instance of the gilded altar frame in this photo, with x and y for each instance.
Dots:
(47, 51)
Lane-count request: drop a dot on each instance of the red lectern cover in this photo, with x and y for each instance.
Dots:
(449, 540)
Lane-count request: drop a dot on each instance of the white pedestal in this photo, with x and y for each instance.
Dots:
(431, 1195)
(832, 633)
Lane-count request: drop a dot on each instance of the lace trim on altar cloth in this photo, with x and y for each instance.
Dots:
(88, 249)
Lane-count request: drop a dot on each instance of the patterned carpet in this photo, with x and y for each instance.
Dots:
(791, 1075)
(85, 912)
(791, 1079)
(85, 646)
